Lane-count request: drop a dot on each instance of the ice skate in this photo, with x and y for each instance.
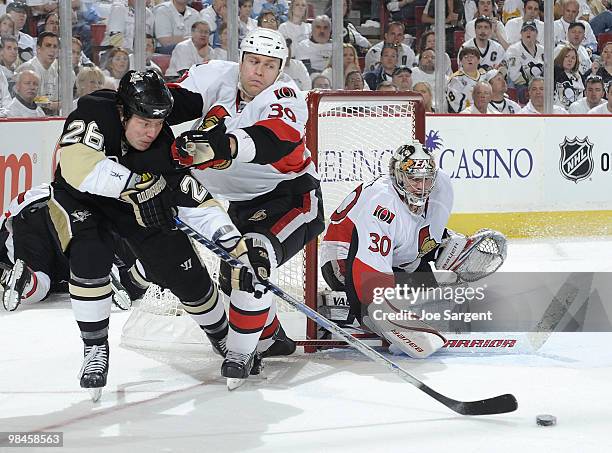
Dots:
(237, 367)
(94, 371)
(18, 279)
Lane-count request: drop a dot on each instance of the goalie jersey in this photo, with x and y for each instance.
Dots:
(374, 231)
(269, 131)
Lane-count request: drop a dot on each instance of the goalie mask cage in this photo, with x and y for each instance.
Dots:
(351, 135)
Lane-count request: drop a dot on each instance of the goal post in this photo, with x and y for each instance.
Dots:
(351, 135)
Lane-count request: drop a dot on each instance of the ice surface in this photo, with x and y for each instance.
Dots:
(331, 401)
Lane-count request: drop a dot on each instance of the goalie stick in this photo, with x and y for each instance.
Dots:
(496, 405)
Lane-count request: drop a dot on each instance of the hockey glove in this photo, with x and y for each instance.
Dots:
(151, 200)
(202, 148)
(253, 253)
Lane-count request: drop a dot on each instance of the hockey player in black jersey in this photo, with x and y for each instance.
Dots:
(34, 265)
(102, 184)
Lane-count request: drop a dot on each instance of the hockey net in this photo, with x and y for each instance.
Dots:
(351, 136)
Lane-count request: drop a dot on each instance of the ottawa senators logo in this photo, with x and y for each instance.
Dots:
(285, 92)
(213, 117)
(383, 214)
(222, 165)
(426, 243)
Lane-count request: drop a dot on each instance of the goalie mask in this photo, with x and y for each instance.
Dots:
(413, 174)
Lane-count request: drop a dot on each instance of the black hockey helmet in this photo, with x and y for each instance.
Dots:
(144, 94)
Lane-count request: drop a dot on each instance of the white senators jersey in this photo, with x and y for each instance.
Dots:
(269, 131)
(375, 231)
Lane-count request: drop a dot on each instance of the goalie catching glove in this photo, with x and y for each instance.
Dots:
(203, 148)
(151, 200)
(253, 253)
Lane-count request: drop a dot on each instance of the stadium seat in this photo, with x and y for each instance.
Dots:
(97, 34)
(458, 39)
(161, 60)
(602, 39)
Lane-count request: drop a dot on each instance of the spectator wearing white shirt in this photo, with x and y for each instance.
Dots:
(532, 12)
(570, 15)
(267, 19)
(320, 82)
(350, 61)
(536, 99)
(215, 15)
(525, 58)
(568, 82)
(425, 90)
(26, 89)
(296, 70)
(402, 78)
(192, 51)
(45, 65)
(491, 52)
(245, 22)
(117, 64)
(120, 24)
(481, 95)
(354, 81)
(500, 103)
(425, 71)
(27, 44)
(88, 80)
(316, 52)
(394, 35)
(296, 28)
(428, 41)
(349, 32)
(485, 9)
(575, 35)
(510, 9)
(604, 109)
(5, 97)
(9, 60)
(7, 27)
(594, 96)
(173, 21)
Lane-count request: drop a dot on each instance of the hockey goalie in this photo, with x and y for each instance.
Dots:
(392, 228)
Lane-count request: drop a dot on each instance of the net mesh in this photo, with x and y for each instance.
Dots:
(355, 138)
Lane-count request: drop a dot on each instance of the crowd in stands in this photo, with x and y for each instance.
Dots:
(494, 60)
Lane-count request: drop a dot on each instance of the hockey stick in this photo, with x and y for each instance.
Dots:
(497, 405)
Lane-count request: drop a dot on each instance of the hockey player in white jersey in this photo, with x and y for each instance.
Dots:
(249, 150)
(395, 223)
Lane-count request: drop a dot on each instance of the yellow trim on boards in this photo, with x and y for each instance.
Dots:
(536, 224)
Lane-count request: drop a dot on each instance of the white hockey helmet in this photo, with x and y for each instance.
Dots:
(266, 42)
(413, 173)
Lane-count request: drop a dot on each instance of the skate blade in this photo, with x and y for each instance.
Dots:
(234, 383)
(122, 300)
(95, 394)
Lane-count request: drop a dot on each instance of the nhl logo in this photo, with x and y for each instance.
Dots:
(576, 162)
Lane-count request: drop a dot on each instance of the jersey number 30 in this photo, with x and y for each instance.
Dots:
(380, 244)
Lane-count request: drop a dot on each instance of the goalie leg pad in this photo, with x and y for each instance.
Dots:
(412, 336)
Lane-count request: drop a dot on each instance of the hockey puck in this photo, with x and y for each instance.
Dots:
(546, 420)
